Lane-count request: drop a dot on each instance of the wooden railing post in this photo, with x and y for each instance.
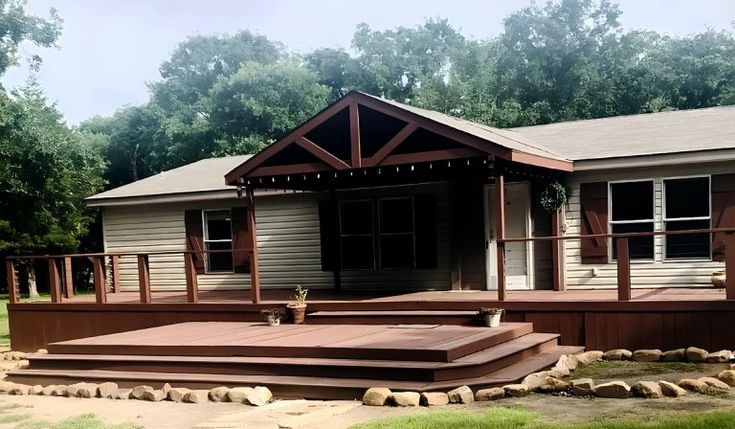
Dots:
(192, 287)
(254, 269)
(100, 289)
(623, 256)
(68, 278)
(115, 263)
(500, 232)
(557, 263)
(730, 266)
(54, 280)
(13, 293)
(144, 279)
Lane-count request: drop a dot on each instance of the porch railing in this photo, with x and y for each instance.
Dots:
(60, 273)
(622, 251)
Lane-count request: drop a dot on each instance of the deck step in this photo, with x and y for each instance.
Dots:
(377, 317)
(286, 386)
(481, 362)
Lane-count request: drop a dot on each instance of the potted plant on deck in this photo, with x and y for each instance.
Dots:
(491, 316)
(272, 316)
(298, 306)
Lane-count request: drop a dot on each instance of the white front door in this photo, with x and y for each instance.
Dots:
(519, 255)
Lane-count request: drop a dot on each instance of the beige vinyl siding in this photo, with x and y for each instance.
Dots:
(438, 278)
(656, 273)
(288, 243)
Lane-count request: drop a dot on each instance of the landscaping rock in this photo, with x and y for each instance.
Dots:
(617, 354)
(722, 356)
(48, 390)
(516, 390)
(569, 361)
(42, 351)
(647, 355)
(676, 355)
(405, 399)
(695, 354)
(647, 389)
(432, 399)
(153, 396)
(59, 391)
(195, 396)
(260, 396)
(88, 390)
(166, 388)
(587, 358)
(552, 384)
(13, 355)
(6, 386)
(375, 396)
(461, 395)
(72, 390)
(239, 395)
(582, 386)
(107, 390)
(19, 389)
(491, 394)
(138, 391)
(716, 384)
(218, 394)
(693, 385)
(533, 381)
(727, 376)
(177, 394)
(122, 394)
(6, 366)
(613, 389)
(671, 389)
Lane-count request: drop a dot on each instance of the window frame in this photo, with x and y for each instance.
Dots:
(611, 222)
(371, 234)
(206, 240)
(664, 218)
(380, 234)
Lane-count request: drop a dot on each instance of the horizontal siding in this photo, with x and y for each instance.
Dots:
(656, 273)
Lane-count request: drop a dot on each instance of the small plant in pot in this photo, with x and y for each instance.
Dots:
(272, 316)
(490, 316)
(298, 306)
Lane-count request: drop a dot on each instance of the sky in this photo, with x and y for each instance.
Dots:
(110, 49)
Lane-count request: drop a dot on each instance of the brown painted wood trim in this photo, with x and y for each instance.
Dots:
(541, 161)
(393, 143)
(192, 287)
(115, 263)
(54, 279)
(431, 156)
(322, 154)
(730, 266)
(68, 278)
(144, 279)
(282, 170)
(13, 292)
(100, 290)
(557, 266)
(500, 233)
(355, 151)
(623, 260)
(254, 269)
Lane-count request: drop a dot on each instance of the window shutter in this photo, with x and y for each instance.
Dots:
(195, 237)
(593, 217)
(425, 229)
(240, 239)
(723, 211)
(329, 234)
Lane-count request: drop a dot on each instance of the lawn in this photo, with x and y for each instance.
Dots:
(4, 327)
(517, 418)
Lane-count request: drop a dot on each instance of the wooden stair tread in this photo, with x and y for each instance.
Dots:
(388, 313)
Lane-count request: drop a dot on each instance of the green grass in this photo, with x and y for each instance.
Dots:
(626, 369)
(4, 327)
(516, 418)
(84, 421)
(12, 418)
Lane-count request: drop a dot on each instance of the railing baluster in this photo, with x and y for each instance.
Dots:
(68, 278)
(192, 287)
(54, 280)
(115, 262)
(144, 279)
(13, 293)
(623, 257)
(100, 289)
(730, 266)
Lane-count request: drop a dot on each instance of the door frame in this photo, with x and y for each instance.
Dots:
(491, 259)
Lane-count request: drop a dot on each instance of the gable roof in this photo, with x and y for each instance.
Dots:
(672, 132)
(201, 176)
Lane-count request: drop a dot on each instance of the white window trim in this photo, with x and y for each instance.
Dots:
(612, 222)
(664, 218)
(371, 234)
(206, 240)
(413, 231)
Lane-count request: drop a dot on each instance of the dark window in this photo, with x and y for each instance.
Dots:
(687, 206)
(357, 235)
(397, 248)
(632, 211)
(218, 236)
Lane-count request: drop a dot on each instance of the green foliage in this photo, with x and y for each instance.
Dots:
(17, 27)
(553, 196)
(300, 294)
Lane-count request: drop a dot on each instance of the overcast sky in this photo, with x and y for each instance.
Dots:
(109, 49)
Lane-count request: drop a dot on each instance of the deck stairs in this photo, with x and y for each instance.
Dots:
(312, 361)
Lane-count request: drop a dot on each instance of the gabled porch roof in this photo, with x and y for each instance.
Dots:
(362, 131)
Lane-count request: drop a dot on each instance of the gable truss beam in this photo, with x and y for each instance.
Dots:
(355, 150)
(389, 147)
(322, 154)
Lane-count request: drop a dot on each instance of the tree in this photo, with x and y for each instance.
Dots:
(17, 27)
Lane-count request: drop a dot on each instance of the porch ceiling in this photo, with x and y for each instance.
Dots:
(363, 135)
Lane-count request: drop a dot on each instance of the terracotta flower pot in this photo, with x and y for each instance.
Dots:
(298, 313)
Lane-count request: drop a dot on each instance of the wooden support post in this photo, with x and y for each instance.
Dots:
(557, 267)
(68, 278)
(144, 279)
(54, 280)
(192, 287)
(100, 289)
(13, 293)
(254, 274)
(730, 266)
(115, 263)
(500, 232)
(355, 151)
(337, 259)
(623, 256)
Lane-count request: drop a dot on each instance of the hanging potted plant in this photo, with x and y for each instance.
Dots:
(553, 196)
(272, 316)
(297, 307)
(491, 316)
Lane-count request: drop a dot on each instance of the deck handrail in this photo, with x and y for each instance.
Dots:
(616, 235)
